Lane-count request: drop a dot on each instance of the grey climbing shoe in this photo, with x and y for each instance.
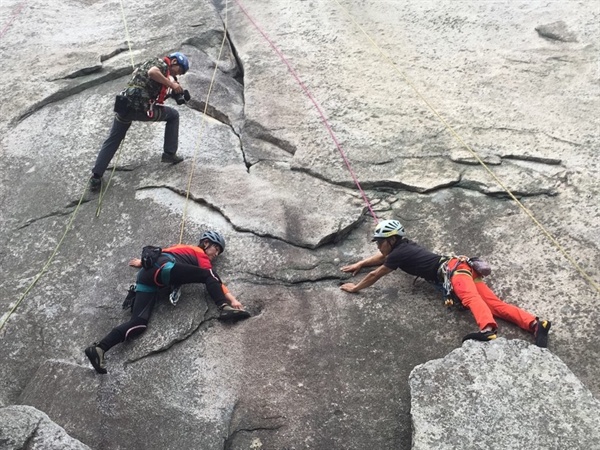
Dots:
(96, 356)
(229, 313)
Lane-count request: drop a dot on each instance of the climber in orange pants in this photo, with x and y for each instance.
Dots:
(459, 277)
(476, 296)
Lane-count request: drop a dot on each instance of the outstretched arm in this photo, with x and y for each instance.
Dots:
(367, 281)
(376, 260)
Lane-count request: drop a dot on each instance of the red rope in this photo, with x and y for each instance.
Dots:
(321, 113)
(15, 13)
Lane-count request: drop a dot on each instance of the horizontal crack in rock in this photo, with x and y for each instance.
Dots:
(377, 185)
(270, 280)
(112, 54)
(215, 208)
(202, 325)
(537, 159)
(73, 89)
(52, 214)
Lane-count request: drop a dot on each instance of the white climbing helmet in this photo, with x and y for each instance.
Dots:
(388, 228)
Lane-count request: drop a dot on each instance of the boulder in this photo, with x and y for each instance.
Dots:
(27, 427)
(503, 395)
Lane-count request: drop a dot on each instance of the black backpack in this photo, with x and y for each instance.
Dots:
(150, 255)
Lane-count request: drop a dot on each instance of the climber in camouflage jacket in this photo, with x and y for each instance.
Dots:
(142, 100)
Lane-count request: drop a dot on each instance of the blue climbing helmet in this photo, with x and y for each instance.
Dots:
(388, 228)
(215, 238)
(182, 60)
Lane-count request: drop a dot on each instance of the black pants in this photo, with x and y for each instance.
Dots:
(122, 123)
(144, 301)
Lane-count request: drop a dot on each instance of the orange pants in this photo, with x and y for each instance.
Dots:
(476, 296)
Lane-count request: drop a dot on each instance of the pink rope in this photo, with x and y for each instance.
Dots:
(15, 13)
(321, 113)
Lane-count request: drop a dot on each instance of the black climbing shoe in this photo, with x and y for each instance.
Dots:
(95, 184)
(171, 158)
(229, 313)
(482, 336)
(96, 356)
(540, 331)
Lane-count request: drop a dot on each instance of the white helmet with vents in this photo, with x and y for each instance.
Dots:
(388, 228)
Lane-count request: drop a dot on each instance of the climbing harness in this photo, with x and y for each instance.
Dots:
(449, 267)
(162, 274)
(544, 231)
(122, 104)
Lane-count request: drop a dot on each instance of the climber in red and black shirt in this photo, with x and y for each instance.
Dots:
(176, 265)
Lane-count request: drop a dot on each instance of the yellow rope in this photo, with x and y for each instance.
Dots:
(465, 145)
(103, 191)
(462, 142)
(127, 34)
(112, 172)
(39, 275)
(189, 183)
(74, 214)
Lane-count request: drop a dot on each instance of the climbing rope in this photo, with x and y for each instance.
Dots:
(16, 12)
(552, 239)
(316, 105)
(127, 33)
(110, 177)
(39, 275)
(73, 214)
(202, 124)
(115, 165)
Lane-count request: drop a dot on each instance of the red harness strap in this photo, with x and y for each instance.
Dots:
(162, 95)
(163, 90)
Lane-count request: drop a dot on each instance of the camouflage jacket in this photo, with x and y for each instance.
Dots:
(142, 89)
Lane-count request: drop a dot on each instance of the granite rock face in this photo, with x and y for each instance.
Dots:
(24, 427)
(503, 395)
(265, 164)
